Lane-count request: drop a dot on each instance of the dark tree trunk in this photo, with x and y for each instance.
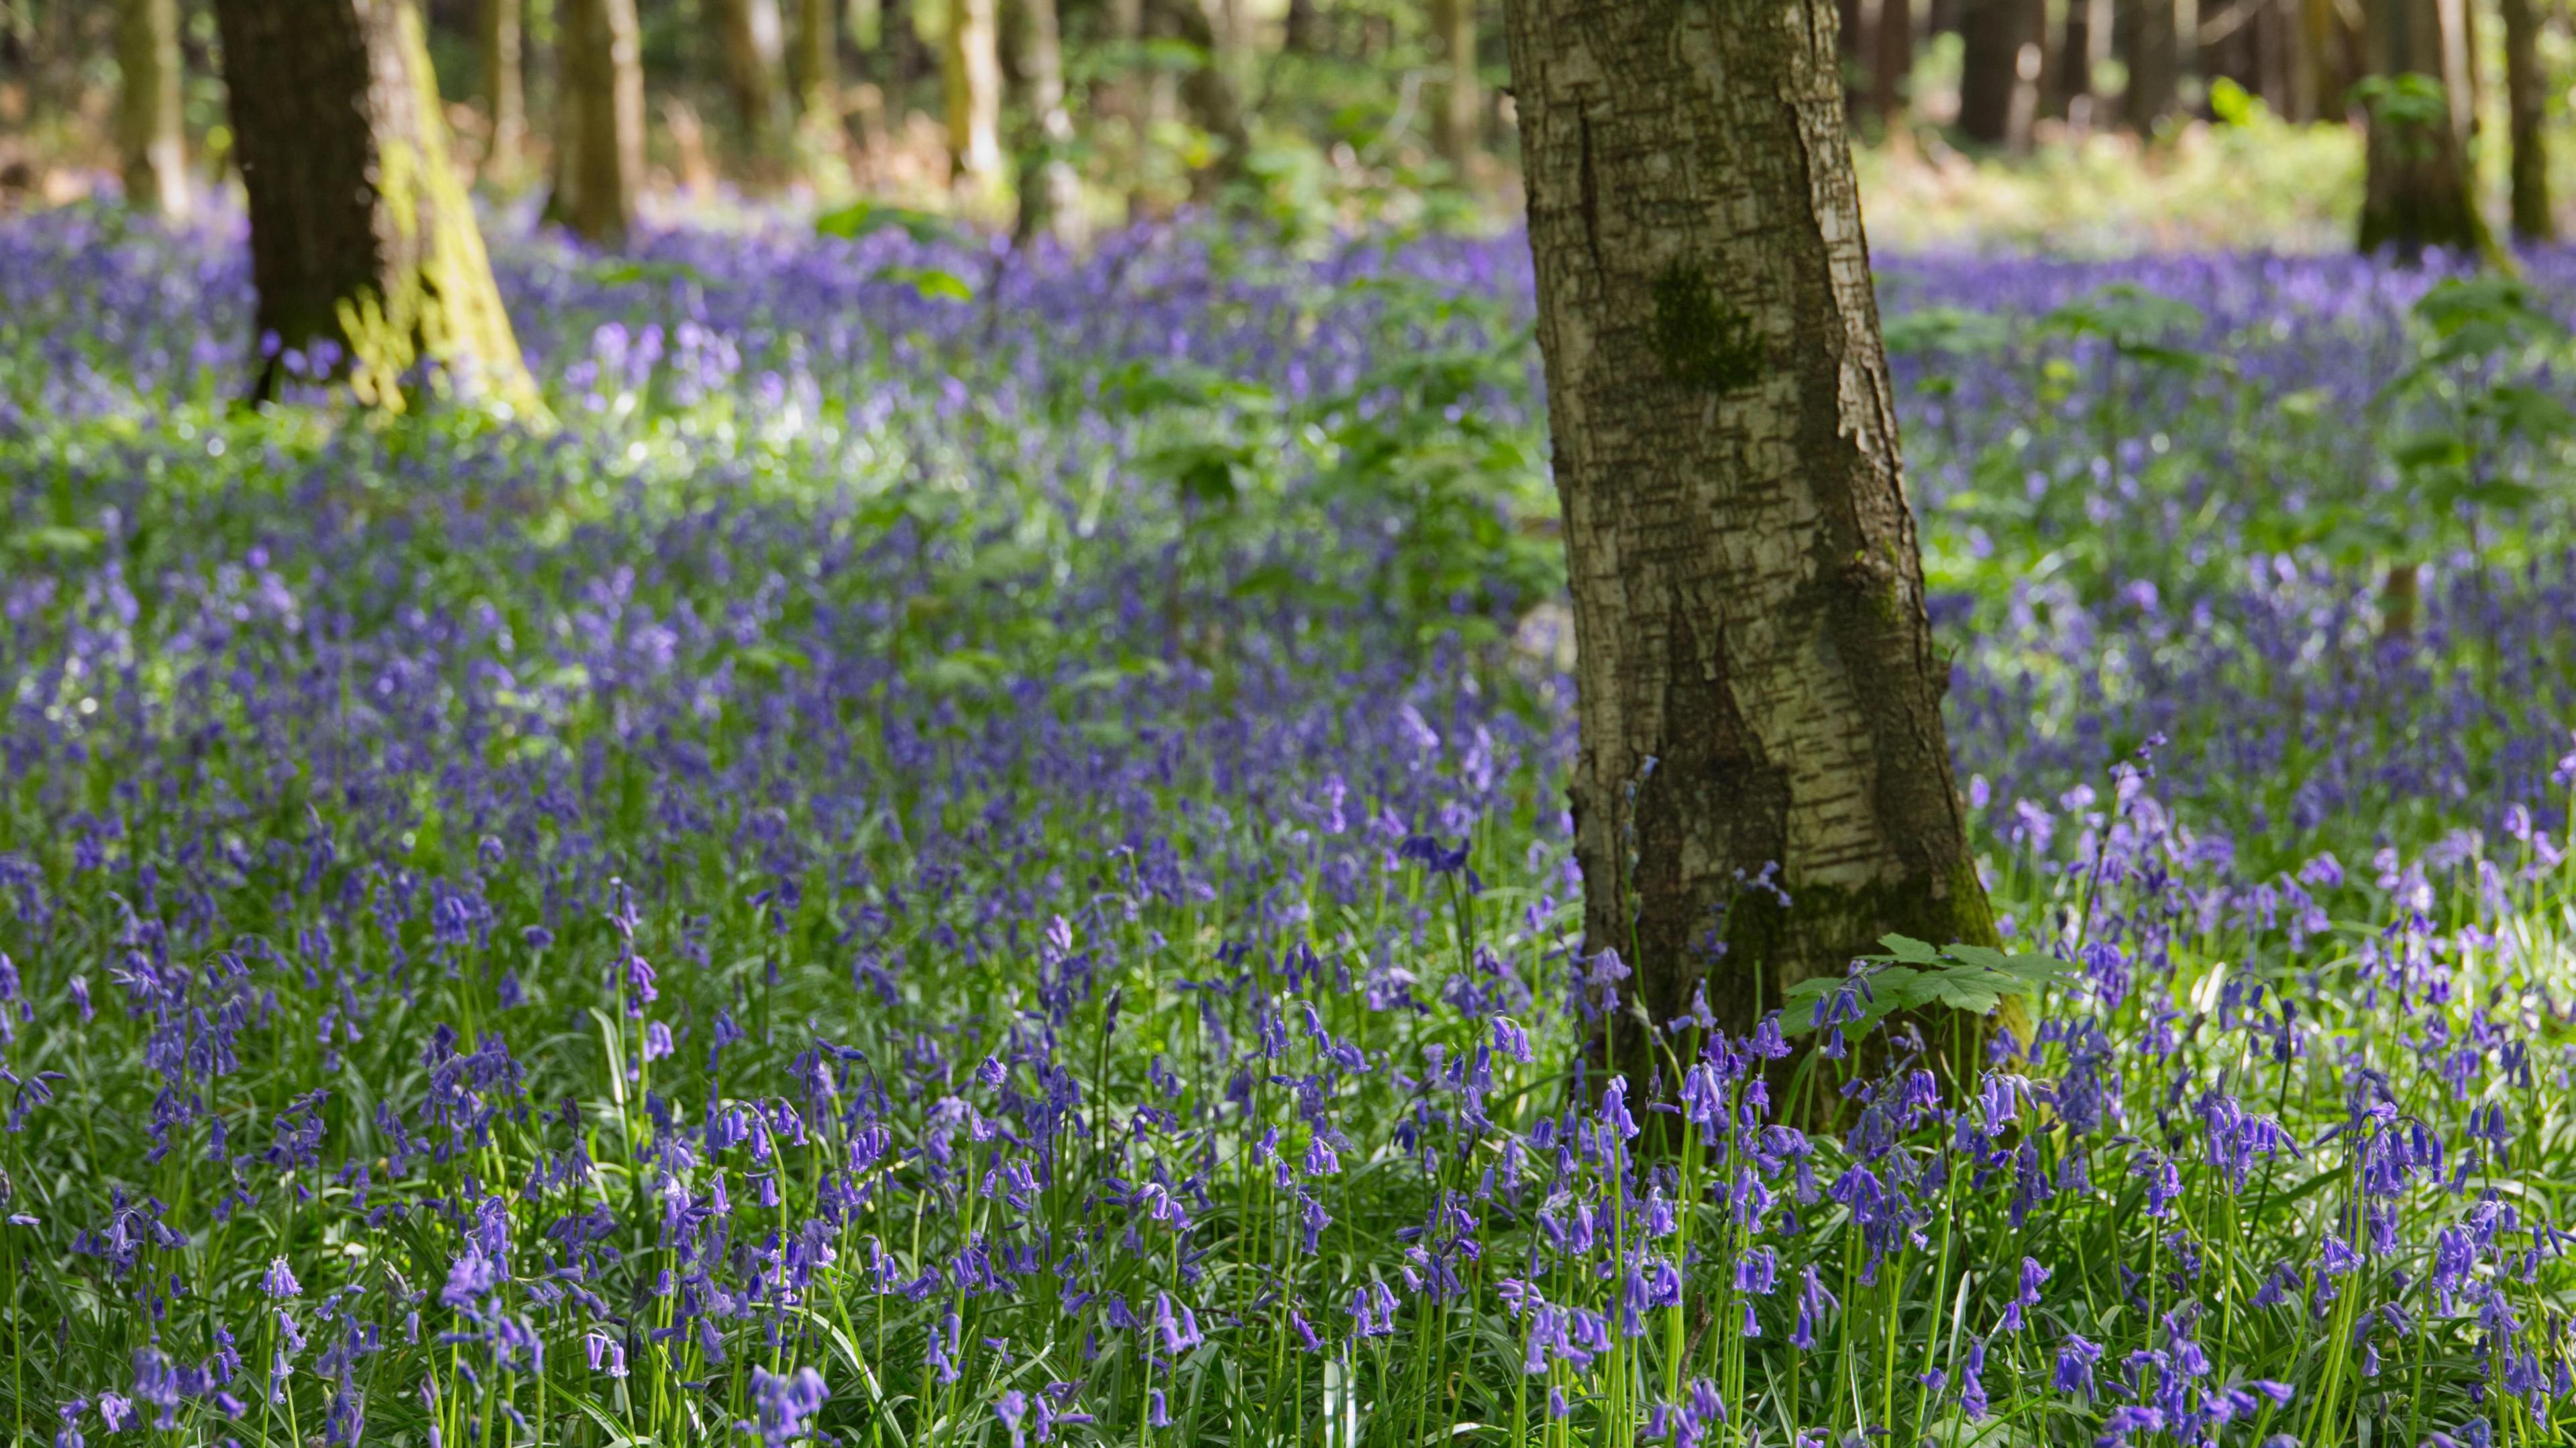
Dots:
(1891, 58)
(2417, 193)
(1992, 33)
(1756, 681)
(361, 235)
(151, 140)
(599, 120)
(2527, 95)
(505, 94)
(1304, 29)
(2084, 41)
(2148, 45)
(1854, 56)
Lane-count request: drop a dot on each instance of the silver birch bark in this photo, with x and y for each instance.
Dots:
(1757, 684)
(150, 139)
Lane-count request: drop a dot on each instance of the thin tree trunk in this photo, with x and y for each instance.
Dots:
(599, 120)
(1992, 33)
(748, 42)
(2416, 193)
(814, 66)
(972, 71)
(1457, 116)
(1757, 689)
(2075, 58)
(1050, 191)
(151, 138)
(2527, 94)
(363, 244)
(505, 95)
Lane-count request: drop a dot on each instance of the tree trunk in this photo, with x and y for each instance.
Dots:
(1302, 30)
(1756, 681)
(505, 95)
(1208, 90)
(1891, 59)
(2416, 194)
(151, 139)
(748, 42)
(972, 70)
(1992, 33)
(599, 121)
(814, 67)
(2083, 45)
(2527, 96)
(1050, 191)
(2148, 45)
(1457, 117)
(363, 244)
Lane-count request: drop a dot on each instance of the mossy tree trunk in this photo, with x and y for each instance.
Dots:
(2417, 194)
(1756, 681)
(363, 243)
(1458, 105)
(1050, 190)
(505, 92)
(2527, 100)
(599, 120)
(151, 139)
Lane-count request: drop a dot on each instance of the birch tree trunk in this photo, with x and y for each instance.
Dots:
(505, 94)
(814, 67)
(748, 41)
(599, 121)
(2527, 98)
(1757, 685)
(2416, 192)
(362, 241)
(151, 140)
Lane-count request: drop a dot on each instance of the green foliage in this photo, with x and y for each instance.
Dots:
(1913, 976)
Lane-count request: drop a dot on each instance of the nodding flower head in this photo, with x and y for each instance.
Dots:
(280, 1282)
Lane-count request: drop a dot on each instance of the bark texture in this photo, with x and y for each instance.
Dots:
(1458, 106)
(1050, 191)
(599, 121)
(505, 93)
(2527, 99)
(361, 235)
(151, 138)
(2417, 190)
(1756, 678)
(973, 74)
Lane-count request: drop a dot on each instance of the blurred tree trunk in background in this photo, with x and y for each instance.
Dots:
(1757, 689)
(748, 43)
(1993, 33)
(151, 138)
(2527, 97)
(2148, 49)
(971, 78)
(2417, 194)
(599, 120)
(363, 243)
(814, 67)
(2083, 45)
(1208, 90)
(1303, 28)
(1458, 105)
(1050, 190)
(1891, 51)
(505, 94)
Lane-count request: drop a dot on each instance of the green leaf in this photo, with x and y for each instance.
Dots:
(1908, 949)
